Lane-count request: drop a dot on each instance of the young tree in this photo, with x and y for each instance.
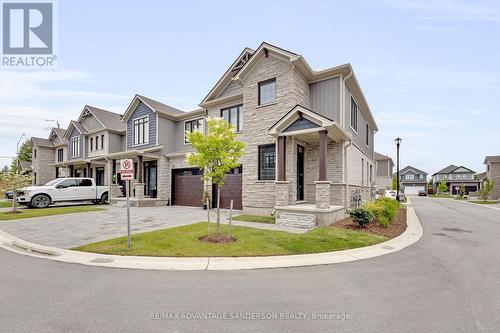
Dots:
(15, 181)
(442, 187)
(461, 191)
(216, 153)
(486, 188)
(395, 182)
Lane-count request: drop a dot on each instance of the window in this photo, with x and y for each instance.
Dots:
(371, 173)
(91, 144)
(354, 115)
(362, 171)
(102, 141)
(141, 131)
(410, 176)
(97, 143)
(421, 176)
(34, 153)
(60, 155)
(267, 162)
(67, 183)
(267, 91)
(234, 116)
(367, 138)
(84, 182)
(75, 146)
(192, 125)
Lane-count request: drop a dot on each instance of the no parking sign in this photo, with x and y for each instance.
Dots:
(127, 169)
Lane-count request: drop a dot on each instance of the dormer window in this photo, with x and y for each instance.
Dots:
(140, 128)
(75, 146)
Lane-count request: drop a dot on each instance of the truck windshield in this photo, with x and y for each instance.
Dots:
(52, 182)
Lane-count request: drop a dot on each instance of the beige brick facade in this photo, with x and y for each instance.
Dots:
(42, 172)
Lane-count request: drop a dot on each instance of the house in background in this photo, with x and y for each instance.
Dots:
(412, 180)
(493, 174)
(384, 172)
(44, 152)
(455, 177)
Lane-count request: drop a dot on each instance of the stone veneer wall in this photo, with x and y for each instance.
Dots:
(44, 172)
(494, 175)
(291, 89)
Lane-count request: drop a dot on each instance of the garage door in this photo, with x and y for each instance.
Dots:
(188, 187)
(232, 190)
(413, 190)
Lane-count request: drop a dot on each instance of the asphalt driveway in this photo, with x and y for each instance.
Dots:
(71, 230)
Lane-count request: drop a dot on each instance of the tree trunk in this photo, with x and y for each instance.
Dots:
(218, 209)
(14, 201)
(208, 214)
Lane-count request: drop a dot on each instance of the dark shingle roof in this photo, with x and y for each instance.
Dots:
(160, 107)
(25, 165)
(59, 131)
(448, 169)
(42, 142)
(492, 159)
(380, 157)
(110, 120)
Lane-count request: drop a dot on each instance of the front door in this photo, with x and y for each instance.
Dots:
(99, 176)
(300, 172)
(150, 182)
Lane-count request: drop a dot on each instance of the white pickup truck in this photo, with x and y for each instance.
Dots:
(63, 189)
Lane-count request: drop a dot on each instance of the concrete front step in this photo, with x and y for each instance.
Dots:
(297, 220)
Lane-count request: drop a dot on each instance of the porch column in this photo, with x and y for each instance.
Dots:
(322, 185)
(113, 172)
(281, 158)
(322, 155)
(88, 173)
(139, 169)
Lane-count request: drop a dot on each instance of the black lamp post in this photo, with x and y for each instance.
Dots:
(398, 142)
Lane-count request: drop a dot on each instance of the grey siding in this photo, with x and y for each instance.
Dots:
(383, 168)
(232, 88)
(300, 124)
(179, 137)
(324, 98)
(141, 111)
(73, 134)
(358, 138)
(116, 143)
(91, 123)
(166, 134)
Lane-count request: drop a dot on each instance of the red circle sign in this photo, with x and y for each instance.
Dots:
(127, 164)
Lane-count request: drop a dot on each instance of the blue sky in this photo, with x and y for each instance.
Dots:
(430, 70)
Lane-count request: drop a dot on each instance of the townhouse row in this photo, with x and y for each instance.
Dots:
(309, 139)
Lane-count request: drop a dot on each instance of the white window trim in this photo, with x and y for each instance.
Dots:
(73, 140)
(146, 129)
(189, 120)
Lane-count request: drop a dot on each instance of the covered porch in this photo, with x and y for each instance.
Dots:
(309, 186)
(147, 186)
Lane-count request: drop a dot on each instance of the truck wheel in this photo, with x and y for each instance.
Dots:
(104, 198)
(40, 201)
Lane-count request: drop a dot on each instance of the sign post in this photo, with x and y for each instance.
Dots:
(126, 174)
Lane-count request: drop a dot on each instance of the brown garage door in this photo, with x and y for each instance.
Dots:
(232, 190)
(188, 187)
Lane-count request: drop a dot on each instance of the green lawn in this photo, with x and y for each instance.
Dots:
(254, 218)
(28, 213)
(485, 202)
(184, 242)
(5, 204)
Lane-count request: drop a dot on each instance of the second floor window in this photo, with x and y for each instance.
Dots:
(354, 115)
(75, 146)
(34, 153)
(102, 141)
(91, 144)
(97, 143)
(60, 155)
(234, 116)
(267, 91)
(367, 138)
(410, 176)
(267, 162)
(192, 125)
(141, 131)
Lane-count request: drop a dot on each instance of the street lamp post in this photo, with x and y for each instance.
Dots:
(398, 142)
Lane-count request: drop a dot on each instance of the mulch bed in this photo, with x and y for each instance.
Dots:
(217, 238)
(396, 228)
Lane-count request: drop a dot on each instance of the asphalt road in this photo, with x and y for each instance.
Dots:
(449, 281)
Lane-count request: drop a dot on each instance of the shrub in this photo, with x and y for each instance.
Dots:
(361, 216)
(384, 209)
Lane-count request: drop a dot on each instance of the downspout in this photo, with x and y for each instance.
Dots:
(346, 165)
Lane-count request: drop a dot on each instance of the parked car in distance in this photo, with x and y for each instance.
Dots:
(422, 193)
(390, 194)
(61, 190)
(9, 194)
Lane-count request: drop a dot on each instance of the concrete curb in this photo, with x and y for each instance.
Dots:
(411, 235)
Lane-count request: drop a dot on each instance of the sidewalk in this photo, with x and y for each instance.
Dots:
(412, 234)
